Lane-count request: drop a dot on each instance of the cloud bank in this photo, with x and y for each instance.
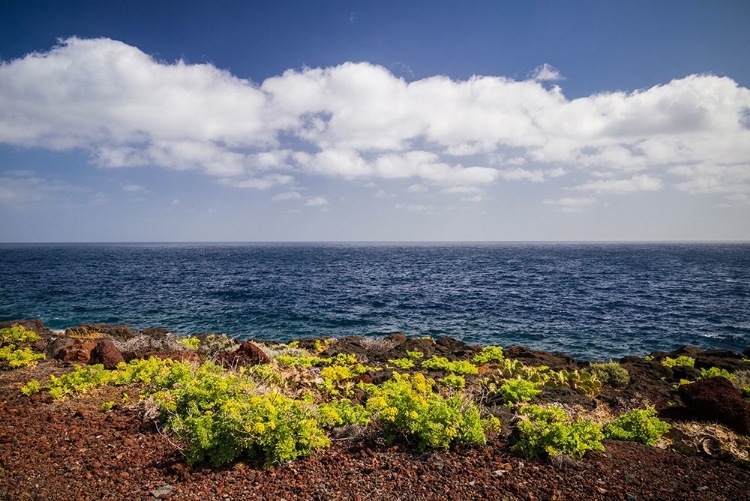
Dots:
(359, 121)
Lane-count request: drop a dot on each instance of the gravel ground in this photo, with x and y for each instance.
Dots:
(72, 451)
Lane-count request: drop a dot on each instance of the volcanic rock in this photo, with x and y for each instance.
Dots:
(114, 332)
(717, 400)
(556, 361)
(107, 354)
(77, 352)
(723, 359)
(247, 354)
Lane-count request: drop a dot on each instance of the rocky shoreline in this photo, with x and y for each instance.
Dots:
(71, 449)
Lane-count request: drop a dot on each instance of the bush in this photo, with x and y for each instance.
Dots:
(611, 373)
(681, 361)
(16, 335)
(342, 412)
(10, 356)
(457, 367)
(518, 390)
(80, 381)
(191, 343)
(31, 388)
(489, 354)
(453, 381)
(408, 407)
(220, 419)
(15, 359)
(402, 363)
(716, 372)
(638, 425)
(549, 430)
(414, 355)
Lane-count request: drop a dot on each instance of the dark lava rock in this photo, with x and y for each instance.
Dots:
(31, 325)
(56, 345)
(746, 353)
(649, 380)
(717, 400)
(115, 332)
(155, 332)
(687, 350)
(556, 361)
(454, 349)
(248, 354)
(396, 338)
(689, 373)
(723, 359)
(77, 352)
(564, 395)
(107, 354)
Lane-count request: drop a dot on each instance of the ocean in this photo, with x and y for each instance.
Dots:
(593, 301)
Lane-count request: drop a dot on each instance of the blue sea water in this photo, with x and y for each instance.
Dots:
(594, 301)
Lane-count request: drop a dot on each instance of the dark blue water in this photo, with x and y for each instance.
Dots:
(592, 301)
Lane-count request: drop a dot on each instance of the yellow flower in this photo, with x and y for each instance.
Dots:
(259, 428)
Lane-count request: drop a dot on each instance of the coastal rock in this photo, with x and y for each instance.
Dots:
(690, 373)
(649, 380)
(31, 325)
(556, 361)
(397, 338)
(723, 359)
(56, 345)
(717, 400)
(746, 353)
(93, 331)
(107, 354)
(686, 350)
(248, 354)
(79, 352)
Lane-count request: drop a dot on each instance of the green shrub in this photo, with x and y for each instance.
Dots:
(299, 361)
(638, 425)
(611, 373)
(107, 406)
(549, 430)
(321, 345)
(16, 335)
(681, 361)
(342, 412)
(518, 390)
(31, 388)
(457, 367)
(716, 372)
(220, 418)
(489, 354)
(16, 359)
(453, 381)
(407, 407)
(82, 380)
(414, 355)
(402, 363)
(582, 382)
(191, 343)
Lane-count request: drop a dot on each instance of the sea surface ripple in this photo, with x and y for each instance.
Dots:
(593, 301)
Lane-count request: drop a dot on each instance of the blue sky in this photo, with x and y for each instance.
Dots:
(189, 121)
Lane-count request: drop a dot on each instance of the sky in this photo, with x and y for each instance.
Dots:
(134, 121)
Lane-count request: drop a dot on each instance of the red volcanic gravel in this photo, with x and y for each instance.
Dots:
(72, 451)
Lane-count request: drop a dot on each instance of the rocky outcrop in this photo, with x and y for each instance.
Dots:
(78, 352)
(717, 400)
(93, 331)
(248, 354)
(723, 359)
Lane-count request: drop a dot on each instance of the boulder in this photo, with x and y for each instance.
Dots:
(556, 361)
(397, 338)
(717, 400)
(107, 354)
(56, 345)
(78, 352)
(248, 354)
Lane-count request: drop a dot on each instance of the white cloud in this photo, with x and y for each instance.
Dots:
(417, 188)
(176, 201)
(361, 122)
(132, 187)
(546, 73)
(380, 194)
(315, 201)
(570, 204)
(634, 184)
(287, 195)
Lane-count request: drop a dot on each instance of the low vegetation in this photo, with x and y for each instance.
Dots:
(611, 373)
(550, 431)
(638, 425)
(681, 361)
(14, 352)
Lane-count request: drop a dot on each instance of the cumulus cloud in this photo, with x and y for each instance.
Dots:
(315, 201)
(546, 73)
(287, 195)
(132, 187)
(361, 122)
(633, 184)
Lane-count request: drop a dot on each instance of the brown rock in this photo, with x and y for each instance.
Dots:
(723, 359)
(717, 400)
(116, 332)
(77, 352)
(396, 338)
(556, 361)
(247, 354)
(107, 354)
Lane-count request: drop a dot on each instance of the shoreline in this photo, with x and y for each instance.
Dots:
(124, 452)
